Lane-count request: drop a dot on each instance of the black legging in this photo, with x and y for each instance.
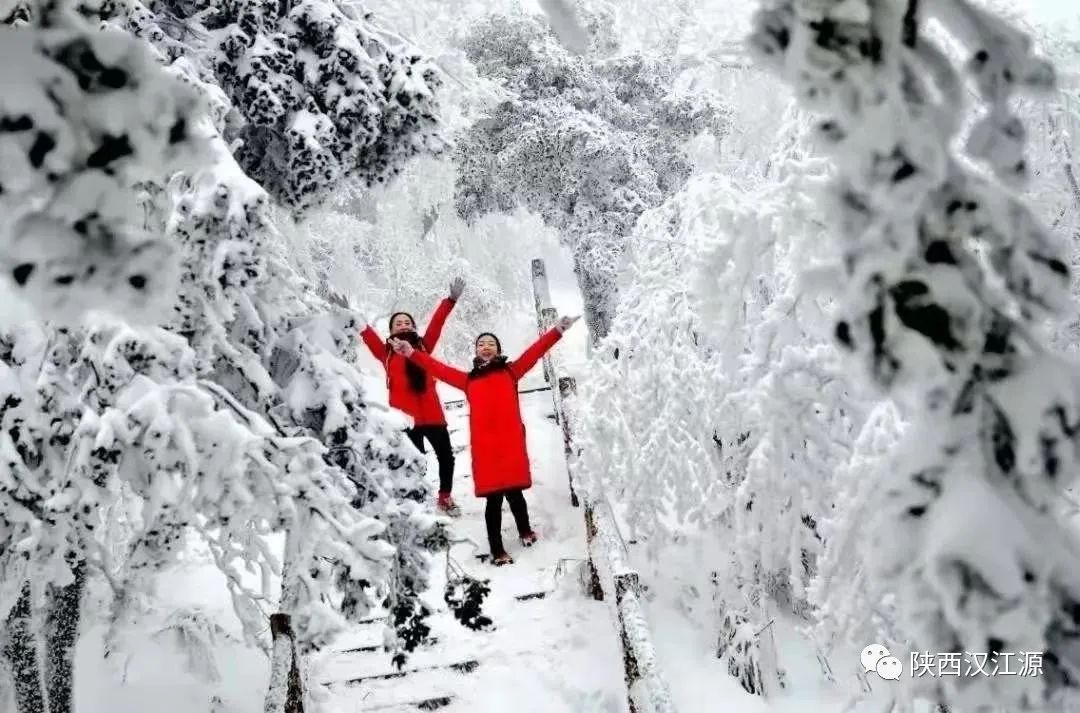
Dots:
(439, 438)
(493, 517)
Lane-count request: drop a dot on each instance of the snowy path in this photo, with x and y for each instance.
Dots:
(549, 655)
(557, 654)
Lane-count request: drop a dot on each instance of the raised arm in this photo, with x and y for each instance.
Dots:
(520, 366)
(442, 311)
(374, 343)
(438, 321)
(448, 374)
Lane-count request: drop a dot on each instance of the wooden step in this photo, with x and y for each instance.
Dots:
(422, 704)
(377, 648)
(467, 666)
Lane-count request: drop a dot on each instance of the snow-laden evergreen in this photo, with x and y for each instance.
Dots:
(85, 116)
(721, 359)
(246, 418)
(588, 142)
(947, 276)
(319, 94)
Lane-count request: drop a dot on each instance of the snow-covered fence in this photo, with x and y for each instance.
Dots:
(607, 570)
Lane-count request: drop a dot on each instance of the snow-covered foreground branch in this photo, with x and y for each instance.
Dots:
(85, 117)
(947, 276)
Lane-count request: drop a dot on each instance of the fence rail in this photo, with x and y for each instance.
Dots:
(609, 575)
(455, 403)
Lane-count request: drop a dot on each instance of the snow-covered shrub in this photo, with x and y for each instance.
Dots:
(947, 276)
(851, 605)
(246, 421)
(85, 116)
(260, 396)
(719, 323)
(587, 143)
(260, 333)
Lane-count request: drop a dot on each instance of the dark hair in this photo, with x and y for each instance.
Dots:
(498, 344)
(416, 374)
(390, 324)
(481, 367)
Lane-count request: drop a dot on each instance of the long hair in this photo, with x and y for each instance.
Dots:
(416, 375)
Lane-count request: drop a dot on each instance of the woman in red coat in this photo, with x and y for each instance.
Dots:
(412, 390)
(496, 432)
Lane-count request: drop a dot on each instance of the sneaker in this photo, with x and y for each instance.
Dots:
(500, 560)
(528, 539)
(447, 505)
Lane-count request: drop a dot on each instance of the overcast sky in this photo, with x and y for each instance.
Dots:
(1053, 10)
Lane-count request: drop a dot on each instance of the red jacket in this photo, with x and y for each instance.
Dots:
(425, 408)
(500, 459)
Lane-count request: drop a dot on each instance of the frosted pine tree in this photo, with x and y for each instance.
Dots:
(85, 116)
(318, 94)
(587, 142)
(252, 340)
(948, 276)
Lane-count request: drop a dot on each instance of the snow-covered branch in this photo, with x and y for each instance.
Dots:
(947, 276)
(86, 116)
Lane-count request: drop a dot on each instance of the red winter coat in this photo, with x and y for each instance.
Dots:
(425, 408)
(500, 459)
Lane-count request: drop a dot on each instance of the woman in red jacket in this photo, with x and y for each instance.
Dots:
(496, 432)
(412, 390)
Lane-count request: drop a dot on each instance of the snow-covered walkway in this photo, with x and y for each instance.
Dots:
(556, 654)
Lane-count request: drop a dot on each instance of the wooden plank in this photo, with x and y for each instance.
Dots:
(374, 648)
(422, 704)
(467, 666)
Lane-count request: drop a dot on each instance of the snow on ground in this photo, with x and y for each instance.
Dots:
(699, 681)
(549, 655)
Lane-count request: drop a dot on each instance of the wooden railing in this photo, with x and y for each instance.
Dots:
(609, 574)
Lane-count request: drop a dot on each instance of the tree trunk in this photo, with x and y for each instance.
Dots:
(20, 649)
(286, 691)
(61, 635)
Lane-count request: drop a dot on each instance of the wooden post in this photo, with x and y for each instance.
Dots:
(568, 389)
(545, 320)
(596, 590)
(627, 583)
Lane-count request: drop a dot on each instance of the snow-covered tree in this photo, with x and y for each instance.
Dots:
(86, 415)
(252, 389)
(588, 142)
(85, 116)
(318, 94)
(947, 276)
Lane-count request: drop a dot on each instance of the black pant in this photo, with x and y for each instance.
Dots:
(439, 438)
(493, 517)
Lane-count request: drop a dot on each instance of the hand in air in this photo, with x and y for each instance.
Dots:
(402, 347)
(565, 323)
(337, 299)
(457, 286)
